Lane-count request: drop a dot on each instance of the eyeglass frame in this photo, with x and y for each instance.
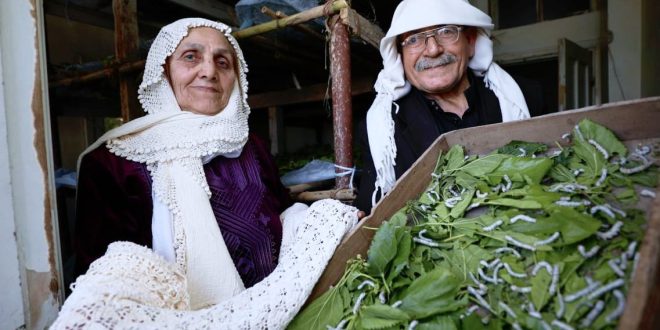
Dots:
(432, 33)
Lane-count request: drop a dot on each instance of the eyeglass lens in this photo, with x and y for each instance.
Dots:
(443, 36)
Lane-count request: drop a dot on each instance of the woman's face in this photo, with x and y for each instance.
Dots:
(202, 71)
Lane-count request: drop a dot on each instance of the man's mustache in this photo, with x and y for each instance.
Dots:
(428, 63)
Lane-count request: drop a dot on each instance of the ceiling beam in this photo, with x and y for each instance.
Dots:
(222, 12)
(314, 93)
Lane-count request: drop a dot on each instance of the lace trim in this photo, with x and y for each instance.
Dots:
(270, 304)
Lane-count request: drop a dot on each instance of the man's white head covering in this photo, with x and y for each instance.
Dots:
(391, 83)
(174, 144)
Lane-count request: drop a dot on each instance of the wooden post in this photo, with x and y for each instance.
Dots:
(275, 130)
(126, 47)
(340, 70)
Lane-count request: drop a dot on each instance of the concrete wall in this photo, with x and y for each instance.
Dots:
(625, 68)
(26, 174)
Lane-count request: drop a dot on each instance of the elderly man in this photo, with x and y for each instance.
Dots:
(425, 88)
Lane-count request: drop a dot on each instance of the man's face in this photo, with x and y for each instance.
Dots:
(438, 68)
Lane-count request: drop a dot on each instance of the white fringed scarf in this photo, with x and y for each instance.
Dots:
(391, 83)
(173, 144)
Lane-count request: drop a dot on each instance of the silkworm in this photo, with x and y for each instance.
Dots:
(643, 150)
(566, 136)
(647, 193)
(603, 209)
(492, 226)
(593, 314)
(645, 163)
(623, 261)
(635, 261)
(471, 310)
(340, 326)
(578, 171)
(491, 264)
(513, 273)
(603, 176)
(562, 306)
(611, 233)
(567, 187)
(426, 242)
(507, 187)
(451, 202)
(381, 298)
(508, 249)
(497, 271)
(554, 281)
(358, 302)
(608, 287)
(397, 303)
(615, 268)
(621, 302)
(473, 205)
(533, 312)
(615, 210)
(433, 200)
(568, 203)
(581, 293)
(548, 240)
(523, 218)
(516, 326)
(542, 264)
(497, 188)
(479, 298)
(366, 282)
(524, 289)
(518, 243)
(413, 325)
(481, 195)
(561, 325)
(588, 254)
(424, 207)
(508, 310)
(600, 148)
(486, 277)
(630, 251)
(436, 175)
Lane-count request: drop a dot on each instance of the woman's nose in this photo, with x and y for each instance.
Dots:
(208, 69)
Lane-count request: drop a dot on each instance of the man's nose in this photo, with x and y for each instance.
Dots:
(432, 47)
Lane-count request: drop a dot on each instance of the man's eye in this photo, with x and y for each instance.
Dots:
(413, 40)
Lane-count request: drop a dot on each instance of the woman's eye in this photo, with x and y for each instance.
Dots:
(189, 57)
(223, 63)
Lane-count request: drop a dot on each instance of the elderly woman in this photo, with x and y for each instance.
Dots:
(189, 182)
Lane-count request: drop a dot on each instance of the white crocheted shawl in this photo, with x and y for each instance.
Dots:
(173, 143)
(391, 83)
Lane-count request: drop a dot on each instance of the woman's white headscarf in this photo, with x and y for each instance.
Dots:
(392, 85)
(174, 145)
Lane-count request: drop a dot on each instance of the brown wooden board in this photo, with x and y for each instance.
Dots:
(630, 121)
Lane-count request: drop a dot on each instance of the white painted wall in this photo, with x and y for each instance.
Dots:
(625, 23)
(22, 178)
(11, 304)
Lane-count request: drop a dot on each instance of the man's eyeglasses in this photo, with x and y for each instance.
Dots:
(444, 35)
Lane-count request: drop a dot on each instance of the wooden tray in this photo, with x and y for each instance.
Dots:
(631, 121)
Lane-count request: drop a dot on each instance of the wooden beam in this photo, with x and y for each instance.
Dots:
(298, 18)
(108, 72)
(214, 8)
(126, 49)
(312, 93)
(361, 27)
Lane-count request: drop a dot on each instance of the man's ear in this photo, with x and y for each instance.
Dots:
(471, 34)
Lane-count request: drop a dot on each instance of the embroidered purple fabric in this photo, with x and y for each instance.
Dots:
(114, 204)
